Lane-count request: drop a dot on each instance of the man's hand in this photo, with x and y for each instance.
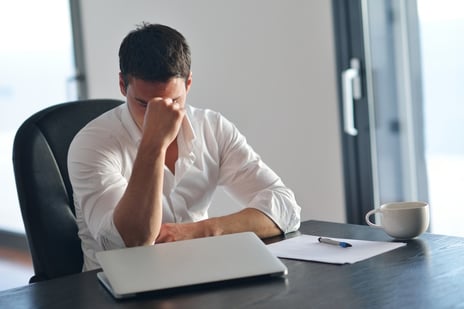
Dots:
(179, 231)
(163, 119)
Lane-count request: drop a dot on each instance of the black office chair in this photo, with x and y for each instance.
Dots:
(40, 153)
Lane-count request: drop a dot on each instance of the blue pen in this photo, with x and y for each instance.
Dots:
(334, 242)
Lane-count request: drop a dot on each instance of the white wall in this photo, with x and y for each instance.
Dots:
(267, 65)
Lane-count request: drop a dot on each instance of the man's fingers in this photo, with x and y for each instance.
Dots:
(168, 102)
(176, 106)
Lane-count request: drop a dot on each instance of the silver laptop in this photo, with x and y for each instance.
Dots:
(129, 271)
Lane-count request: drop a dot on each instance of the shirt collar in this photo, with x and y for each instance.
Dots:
(187, 128)
(130, 125)
(186, 134)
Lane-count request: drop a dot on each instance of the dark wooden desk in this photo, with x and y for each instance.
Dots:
(427, 273)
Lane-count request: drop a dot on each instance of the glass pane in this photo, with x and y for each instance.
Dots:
(393, 72)
(36, 61)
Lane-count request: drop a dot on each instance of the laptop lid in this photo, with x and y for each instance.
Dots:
(188, 262)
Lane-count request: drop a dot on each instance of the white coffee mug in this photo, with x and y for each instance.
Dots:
(402, 220)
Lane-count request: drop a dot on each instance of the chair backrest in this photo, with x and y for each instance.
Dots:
(40, 153)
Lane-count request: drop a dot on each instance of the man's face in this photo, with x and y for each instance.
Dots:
(139, 92)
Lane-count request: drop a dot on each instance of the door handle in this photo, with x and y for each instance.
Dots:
(351, 88)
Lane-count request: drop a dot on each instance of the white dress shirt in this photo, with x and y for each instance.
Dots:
(212, 153)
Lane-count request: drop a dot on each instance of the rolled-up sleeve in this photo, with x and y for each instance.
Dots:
(108, 236)
(279, 204)
(248, 179)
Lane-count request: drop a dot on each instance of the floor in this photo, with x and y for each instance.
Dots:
(15, 268)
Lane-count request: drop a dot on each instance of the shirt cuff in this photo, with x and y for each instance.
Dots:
(280, 208)
(108, 236)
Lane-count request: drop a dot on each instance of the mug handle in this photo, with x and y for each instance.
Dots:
(370, 213)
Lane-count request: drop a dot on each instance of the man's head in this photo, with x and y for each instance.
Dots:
(155, 65)
(154, 53)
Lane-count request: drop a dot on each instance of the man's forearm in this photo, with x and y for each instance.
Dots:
(248, 219)
(138, 214)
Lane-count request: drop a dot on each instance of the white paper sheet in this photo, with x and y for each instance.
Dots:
(308, 248)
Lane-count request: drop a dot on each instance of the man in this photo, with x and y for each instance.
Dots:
(145, 172)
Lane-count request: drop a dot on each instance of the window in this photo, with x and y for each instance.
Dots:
(441, 25)
(37, 70)
(409, 116)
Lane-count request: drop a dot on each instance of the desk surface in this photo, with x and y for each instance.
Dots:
(427, 273)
